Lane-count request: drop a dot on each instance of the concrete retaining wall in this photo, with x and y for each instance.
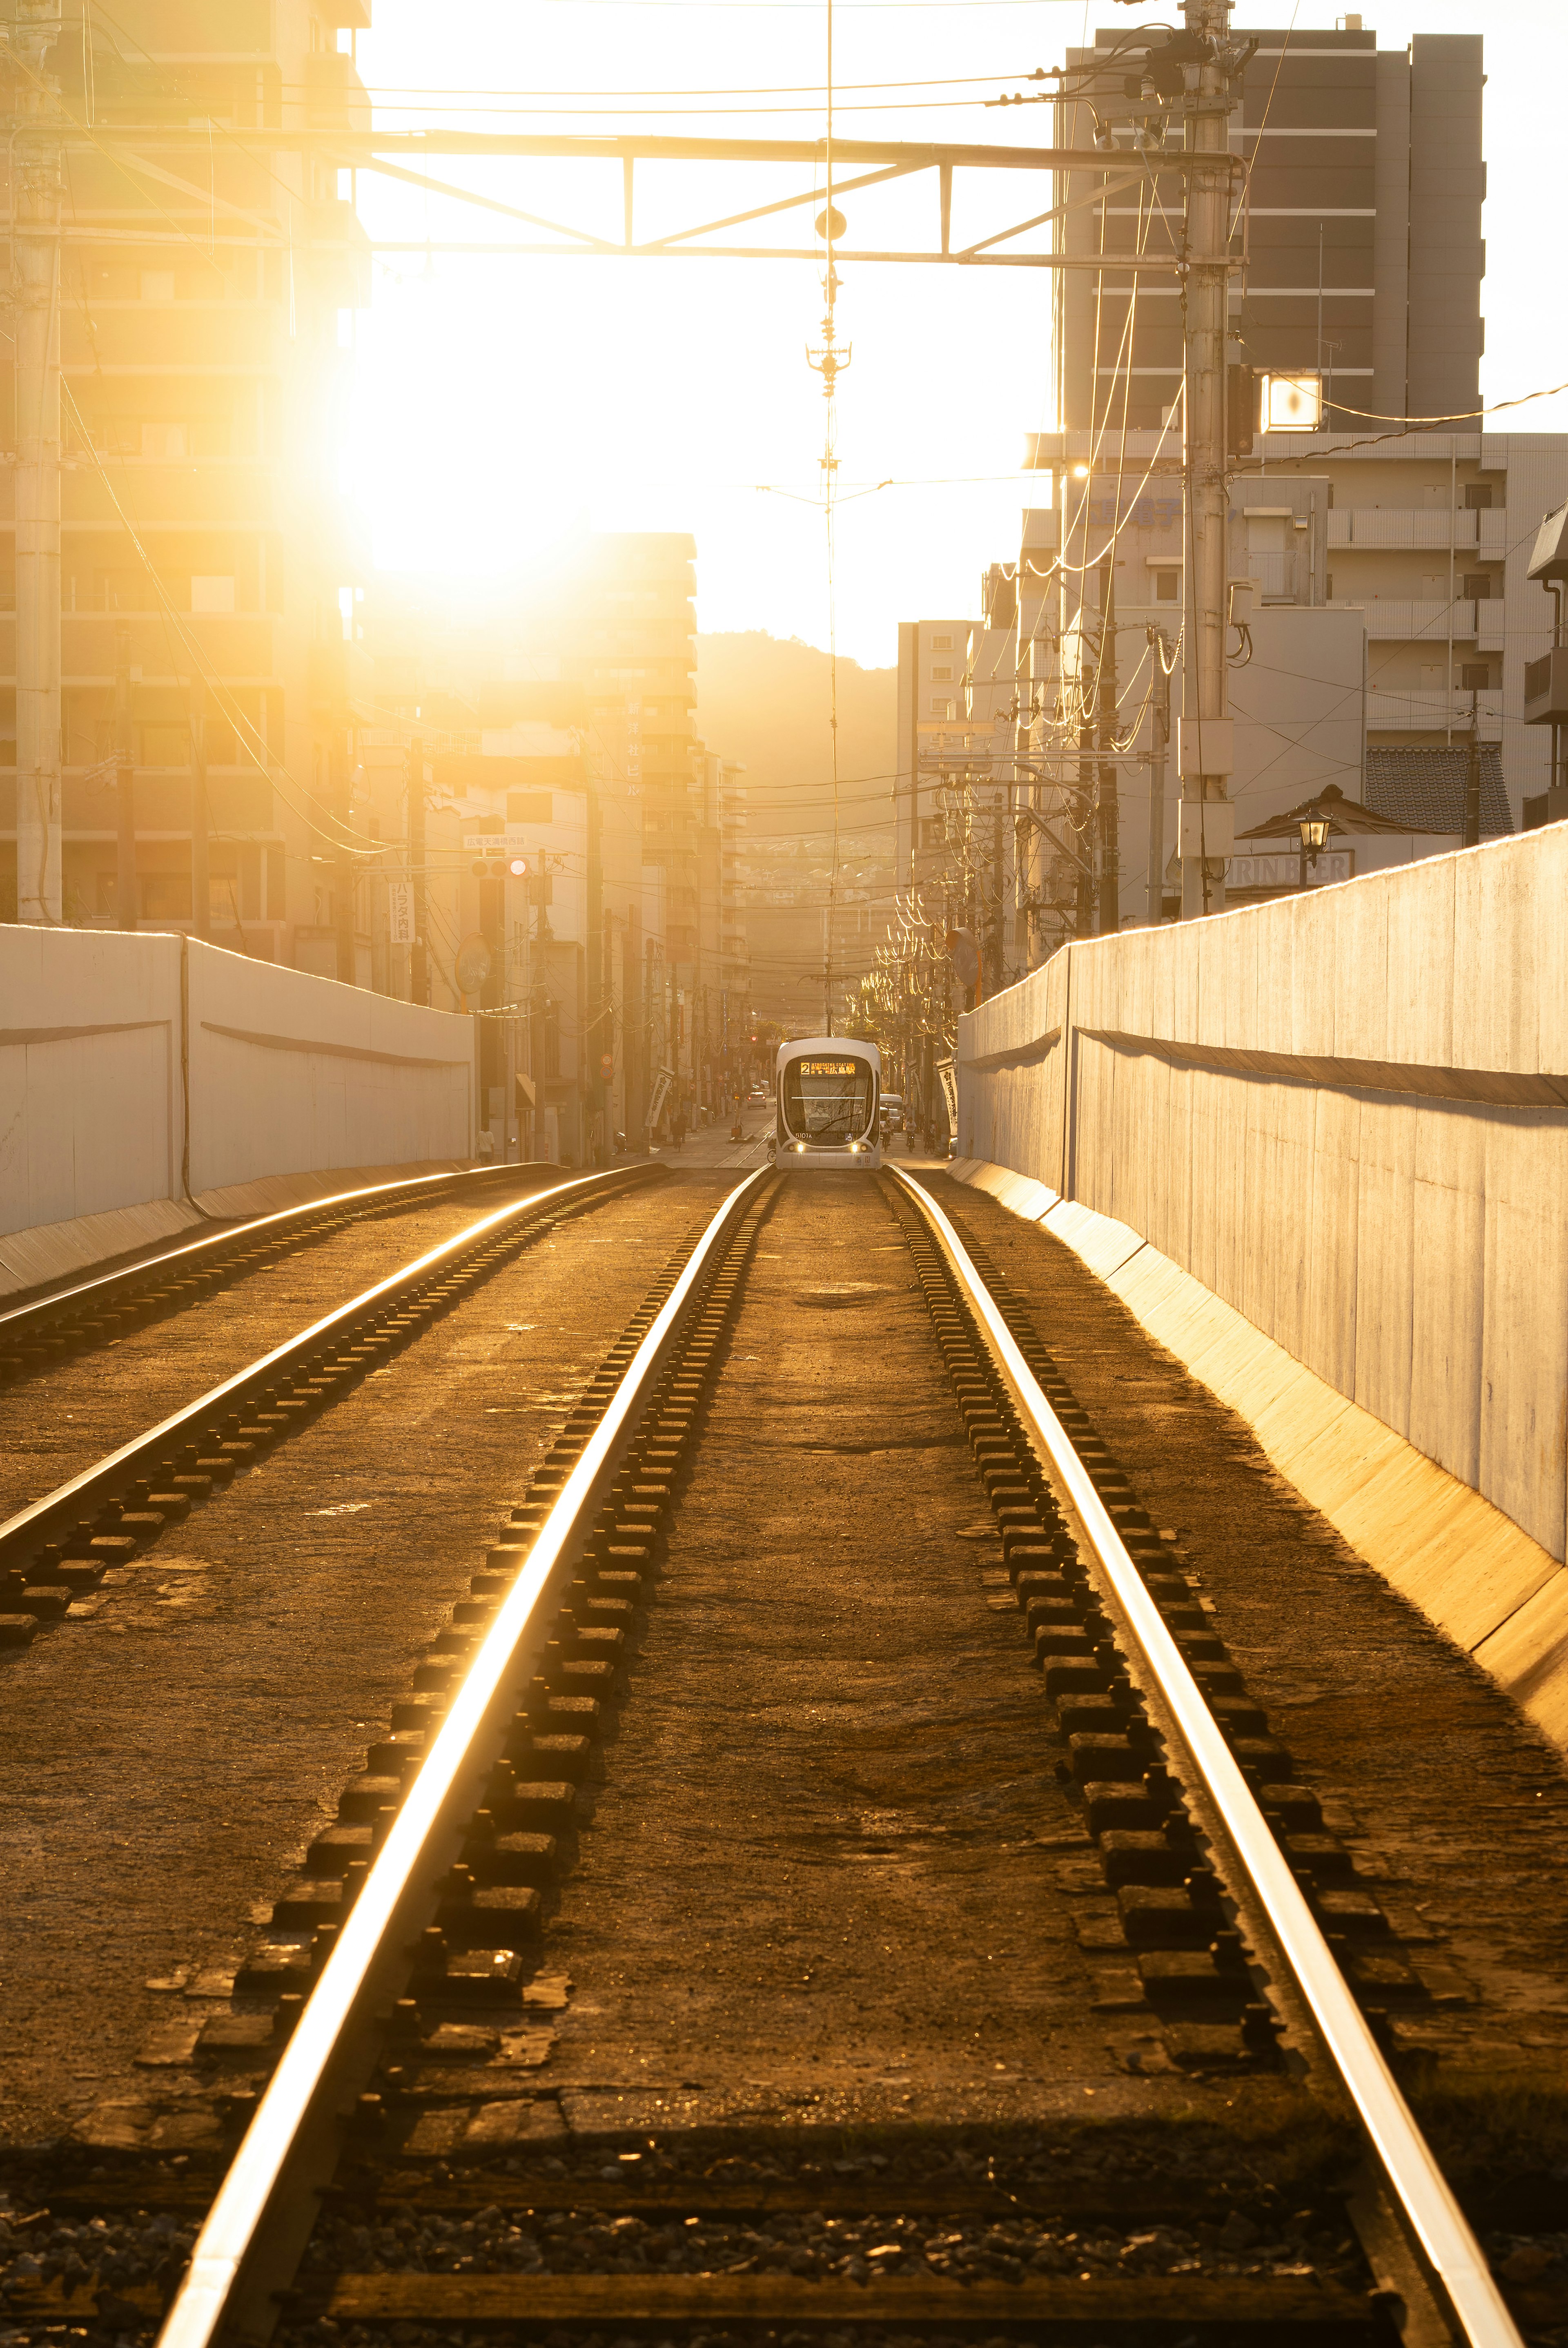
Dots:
(1346, 1116)
(290, 1074)
(139, 1071)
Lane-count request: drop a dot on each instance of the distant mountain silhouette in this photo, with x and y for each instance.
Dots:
(764, 701)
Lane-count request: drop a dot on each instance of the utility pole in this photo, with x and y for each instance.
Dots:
(1109, 808)
(124, 903)
(418, 958)
(597, 1031)
(200, 877)
(1083, 915)
(343, 861)
(1472, 775)
(1160, 744)
(35, 249)
(1205, 756)
(998, 866)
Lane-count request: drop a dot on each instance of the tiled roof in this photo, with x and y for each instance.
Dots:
(1345, 816)
(1425, 788)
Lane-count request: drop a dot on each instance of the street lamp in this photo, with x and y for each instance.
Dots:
(1314, 830)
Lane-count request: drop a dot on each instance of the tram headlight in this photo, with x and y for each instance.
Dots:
(800, 1149)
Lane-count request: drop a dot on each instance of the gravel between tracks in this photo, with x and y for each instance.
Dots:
(169, 1754)
(53, 1425)
(1455, 1809)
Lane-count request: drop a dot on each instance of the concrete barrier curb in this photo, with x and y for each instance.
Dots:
(1467, 1568)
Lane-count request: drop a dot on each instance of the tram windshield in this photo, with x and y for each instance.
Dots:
(828, 1099)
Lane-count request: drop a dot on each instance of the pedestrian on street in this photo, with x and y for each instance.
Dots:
(680, 1128)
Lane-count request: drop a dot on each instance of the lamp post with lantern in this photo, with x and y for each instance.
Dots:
(1314, 830)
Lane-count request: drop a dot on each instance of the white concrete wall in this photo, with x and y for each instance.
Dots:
(91, 1107)
(287, 1074)
(292, 1074)
(1347, 1115)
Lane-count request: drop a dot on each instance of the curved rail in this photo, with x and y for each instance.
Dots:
(62, 1310)
(109, 1477)
(1439, 2233)
(297, 2127)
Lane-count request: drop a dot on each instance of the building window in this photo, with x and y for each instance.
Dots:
(1477, 587)
(941, 709)
(1475, 676)
(941, 643)
(1477, 497)
(1167, 586)
(941, 675)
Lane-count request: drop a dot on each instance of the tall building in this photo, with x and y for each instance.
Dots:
(559, 727)
(957, 805)
(206, 312)
(1359, 215)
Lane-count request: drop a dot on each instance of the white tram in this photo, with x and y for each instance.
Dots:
(828, 1091)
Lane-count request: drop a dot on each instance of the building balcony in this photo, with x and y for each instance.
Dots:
(237, 646)
(335, 97)
(162, 337)
(1409, 527)
(1391, 619)
(204, 493)
(1434, 713)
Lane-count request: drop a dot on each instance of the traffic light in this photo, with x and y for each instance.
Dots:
(500, 868)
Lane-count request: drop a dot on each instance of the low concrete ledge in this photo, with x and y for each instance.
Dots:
(1467, 1568)
(48, 1252)
(52, 1251)
(269, 1193)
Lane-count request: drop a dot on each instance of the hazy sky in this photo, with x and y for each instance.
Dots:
(500, 401)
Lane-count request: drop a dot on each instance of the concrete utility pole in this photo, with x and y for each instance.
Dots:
(1110, 806)
(125, 904)
(1472, 775)
(36, 182)
(418, 959)
(1089, 692)
(1159, 747)
(200, 879)
(1204, 739)
(341, 790)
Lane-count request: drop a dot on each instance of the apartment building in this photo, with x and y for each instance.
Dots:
(1360, 222)
(211, 620)
(558, 727)
(1389, 580)
(965, 797)
(718, 1054)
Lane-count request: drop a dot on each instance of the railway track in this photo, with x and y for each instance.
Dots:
(58, 1547)
(383, 2068)
(75, 1316)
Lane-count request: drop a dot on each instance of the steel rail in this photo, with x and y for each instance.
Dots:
(1438, 2231)
(369, 1949)
(188, 1255)
(101, 1481)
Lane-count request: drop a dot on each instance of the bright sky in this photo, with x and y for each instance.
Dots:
(500, 402)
